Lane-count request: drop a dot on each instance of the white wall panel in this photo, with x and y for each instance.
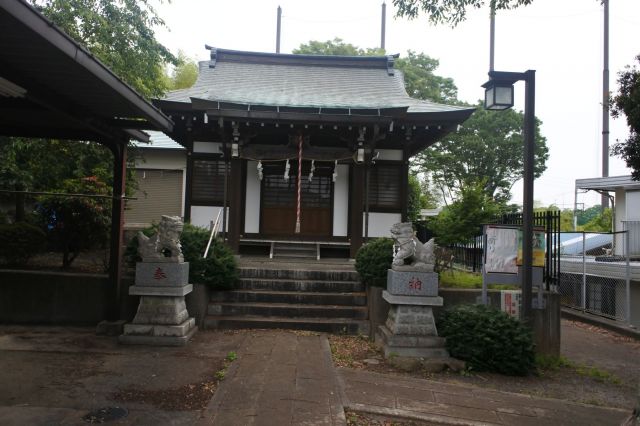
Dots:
(341, 202)
(203, 215)
(252, 201)
(207, 147)
(380, 223)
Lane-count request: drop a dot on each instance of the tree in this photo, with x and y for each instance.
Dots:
(450, 11)
(120, 34)
(77, 223)
(627, 102)
(418, 68)
(463, 218)
(184, 74)
(487, 150)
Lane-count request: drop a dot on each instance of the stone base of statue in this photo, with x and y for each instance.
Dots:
(162, 318)
(410, 329)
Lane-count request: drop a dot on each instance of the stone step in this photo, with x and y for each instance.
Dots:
(295, 297)
(288, 310)
(299, 285)
(298, 274)
(328, 325)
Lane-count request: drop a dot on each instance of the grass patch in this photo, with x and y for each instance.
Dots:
(555, 363)
(462, 279)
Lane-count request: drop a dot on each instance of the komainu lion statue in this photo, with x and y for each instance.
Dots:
(164, 246)
(409, 252)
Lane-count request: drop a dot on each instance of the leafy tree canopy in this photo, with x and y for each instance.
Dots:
(627, 102)
(450, 11)
(184, 75)
(418, 68)
(463, 218)
(486, 151)
(120, 34)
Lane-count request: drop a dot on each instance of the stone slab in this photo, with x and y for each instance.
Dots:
(138, 290)
(412, 300)
(411, 320)
(409, 340)
(180, 330)
(157, 340)
(412, 283)
(150, 274)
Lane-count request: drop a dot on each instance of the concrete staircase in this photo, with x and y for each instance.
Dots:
(305, 296)
(292, 250)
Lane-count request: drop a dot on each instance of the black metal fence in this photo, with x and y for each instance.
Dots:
(470, 254)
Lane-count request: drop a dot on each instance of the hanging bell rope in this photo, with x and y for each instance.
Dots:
(299, 183)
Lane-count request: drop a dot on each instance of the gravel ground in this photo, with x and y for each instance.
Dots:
(599, 368)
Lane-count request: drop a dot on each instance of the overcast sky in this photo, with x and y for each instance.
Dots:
(561, 40)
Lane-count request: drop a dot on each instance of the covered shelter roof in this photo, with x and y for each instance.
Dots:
(51, 86)
(610, 183)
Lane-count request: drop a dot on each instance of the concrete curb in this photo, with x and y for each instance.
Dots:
(338, 405)
(395, 413)
(610, 325)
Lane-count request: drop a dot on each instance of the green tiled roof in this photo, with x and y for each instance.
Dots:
(303, 81)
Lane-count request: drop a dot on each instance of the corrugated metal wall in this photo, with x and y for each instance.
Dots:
(159, 192)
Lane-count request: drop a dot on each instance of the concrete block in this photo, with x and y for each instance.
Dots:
(412, 300)
(412, 283)
(157, 340)
(160, 330)
(150, 274)
(137, 290)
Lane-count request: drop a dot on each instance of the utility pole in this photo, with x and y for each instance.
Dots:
(278, 29)
(605, 103)
(492, 36)
(383, 27)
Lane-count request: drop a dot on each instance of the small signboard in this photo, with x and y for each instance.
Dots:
(510, 302)
(539, 247)
(502, 250)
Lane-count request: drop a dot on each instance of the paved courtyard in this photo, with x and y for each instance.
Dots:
(56, 375)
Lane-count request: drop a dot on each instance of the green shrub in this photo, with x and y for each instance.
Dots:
(372, 261)
(75, 224)
(19, 242)
(488, 340)
(219, 270)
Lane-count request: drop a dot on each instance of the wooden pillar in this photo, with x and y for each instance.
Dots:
(356, 208)
(404, 185)
(188, 179)
(235, 204)
(119, 150)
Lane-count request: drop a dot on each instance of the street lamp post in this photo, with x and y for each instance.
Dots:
(499, 96)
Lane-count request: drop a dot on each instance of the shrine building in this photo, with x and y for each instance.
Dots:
(301, 149)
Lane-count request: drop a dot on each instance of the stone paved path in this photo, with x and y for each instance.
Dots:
(443, 403)
(279, 379)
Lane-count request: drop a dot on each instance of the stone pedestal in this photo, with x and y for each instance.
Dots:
(410, 329)
(162, 318)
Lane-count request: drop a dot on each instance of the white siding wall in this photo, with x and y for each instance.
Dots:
(167, 159)
(621, 215)
(341, 202)
(380, 223)
(203, 215)
(252, 202)
(633, 205)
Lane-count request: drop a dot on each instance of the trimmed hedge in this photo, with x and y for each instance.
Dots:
(488, 340)
(372, 261)
(19, 242)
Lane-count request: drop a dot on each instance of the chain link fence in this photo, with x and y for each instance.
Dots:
(595, 273)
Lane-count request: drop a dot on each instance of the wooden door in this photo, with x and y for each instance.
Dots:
(279, 197)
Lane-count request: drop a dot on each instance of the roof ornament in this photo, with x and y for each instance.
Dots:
(390, 61)
(213, 55)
